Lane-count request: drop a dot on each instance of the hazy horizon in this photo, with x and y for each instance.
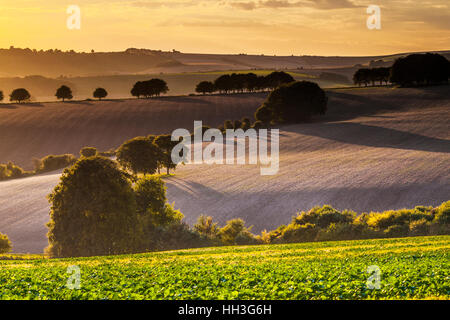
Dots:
(270, 27)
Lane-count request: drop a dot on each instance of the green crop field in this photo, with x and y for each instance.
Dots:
(411, 268)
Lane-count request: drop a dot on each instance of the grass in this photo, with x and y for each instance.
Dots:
(411, 268)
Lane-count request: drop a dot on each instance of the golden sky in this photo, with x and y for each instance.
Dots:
(281, 27)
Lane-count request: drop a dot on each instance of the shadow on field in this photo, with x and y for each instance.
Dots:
(372, 136)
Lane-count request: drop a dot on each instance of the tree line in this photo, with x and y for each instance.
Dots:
(244, 82)
(412, 70)
(146, 89)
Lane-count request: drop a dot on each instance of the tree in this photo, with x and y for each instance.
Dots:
(420, 69)
(93, 211)
(151, 203)
(293, 102)
(100, 93)
(277, 78)
(88, 152)
(246, 123)
(138, 89)
(264, 115)
(1, 96)
(228, 124)
(19, 95)
(149, 88)
(139, 155)
(224, 83)
(165, 144)
(205, 87)
(64, 92)
(5, 244)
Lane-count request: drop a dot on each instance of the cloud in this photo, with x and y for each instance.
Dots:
(159, 4)
(277, 4)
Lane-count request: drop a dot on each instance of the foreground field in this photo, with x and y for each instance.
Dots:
(411, 268)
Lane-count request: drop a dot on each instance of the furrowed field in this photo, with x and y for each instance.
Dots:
(411, 268)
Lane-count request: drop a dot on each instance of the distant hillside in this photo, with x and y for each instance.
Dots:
(54, 63)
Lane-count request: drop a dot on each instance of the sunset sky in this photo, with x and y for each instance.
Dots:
(282, 27)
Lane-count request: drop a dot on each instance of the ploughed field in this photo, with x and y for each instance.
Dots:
(409, 268)
(376, 149)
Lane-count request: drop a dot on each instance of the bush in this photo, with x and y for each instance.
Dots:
(5, 244)
(324, 216)
(93, 211)
(88, 152)
(441, 221)
(419, 227)
(52, 162)
(293, 102)
(108, 154)
(235, 232)
(298, 233)
(206, 227)
(11, 171)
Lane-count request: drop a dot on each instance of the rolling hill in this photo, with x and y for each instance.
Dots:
(376, 149)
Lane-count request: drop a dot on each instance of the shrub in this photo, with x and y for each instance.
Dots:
(206, 227)
(52, 162)
(108, 154)
(93, 211)
(88, 152)
(324, 216)
(298, 233)
(441, 221)
(5, 244)
(11, 171)
(235, 232)
(419, 227)
(397, 230)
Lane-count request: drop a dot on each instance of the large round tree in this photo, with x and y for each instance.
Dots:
(293, 102)
(140, 155)
(93, 211)
(100, 93)
(19, 95)
(64, 92)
